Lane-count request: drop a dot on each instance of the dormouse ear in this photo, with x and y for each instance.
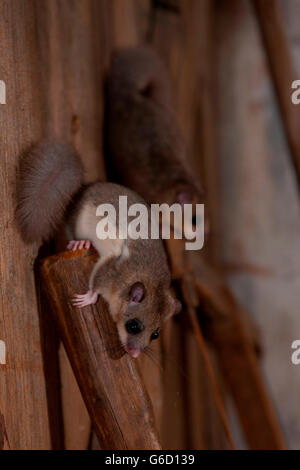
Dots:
(174, 311)
(185, 197)
(178, 307)
(137, 293)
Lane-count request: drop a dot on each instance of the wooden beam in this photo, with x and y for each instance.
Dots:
(282, 71)
(109, 381)
(23, 405)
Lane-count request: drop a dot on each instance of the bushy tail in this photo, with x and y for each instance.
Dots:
(50, 175)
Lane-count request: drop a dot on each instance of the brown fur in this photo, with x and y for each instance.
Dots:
(147, 264)
(145, 144)
(50, 174)
(50, 191)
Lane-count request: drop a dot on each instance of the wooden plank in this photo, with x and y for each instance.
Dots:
(74, 45)
(261, 427)
(124, 23)
(282, 69)
(144, 16)
(23, 405)
(110, 384)
(234, 342)
(77, 424)
(259, 236)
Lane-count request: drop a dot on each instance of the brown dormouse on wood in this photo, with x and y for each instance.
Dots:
(131, 275)
(145, 144)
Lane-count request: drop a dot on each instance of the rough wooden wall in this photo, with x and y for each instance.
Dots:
(259, 197)
(54, 55)
(23, 407)
(74, 46)
(53, 58)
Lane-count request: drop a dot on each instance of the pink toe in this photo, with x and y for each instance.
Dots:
(82, 300)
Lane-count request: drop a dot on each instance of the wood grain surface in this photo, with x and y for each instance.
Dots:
(23, 405)
(190, 56)
(109, 381)
(278, 50)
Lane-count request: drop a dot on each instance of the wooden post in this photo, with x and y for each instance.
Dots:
(109, 381)
(282, 71)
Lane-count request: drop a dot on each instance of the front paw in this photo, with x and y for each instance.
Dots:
(82, 300)
(78, 245)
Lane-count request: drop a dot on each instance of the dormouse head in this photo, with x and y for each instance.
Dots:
(145, 311)
(186, 214)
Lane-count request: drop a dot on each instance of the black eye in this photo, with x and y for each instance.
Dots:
(134, 326)
(154, 335)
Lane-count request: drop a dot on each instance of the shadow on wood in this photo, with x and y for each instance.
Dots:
(110, 384)
(234, 339)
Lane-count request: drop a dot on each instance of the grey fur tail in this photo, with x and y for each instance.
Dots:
(50, 175)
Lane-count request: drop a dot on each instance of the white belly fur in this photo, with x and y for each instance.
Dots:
(85, 229)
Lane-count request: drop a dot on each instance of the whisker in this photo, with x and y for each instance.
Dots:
(150, 353)
(116, 349)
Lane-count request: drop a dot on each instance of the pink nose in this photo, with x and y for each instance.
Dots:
(134, 352)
